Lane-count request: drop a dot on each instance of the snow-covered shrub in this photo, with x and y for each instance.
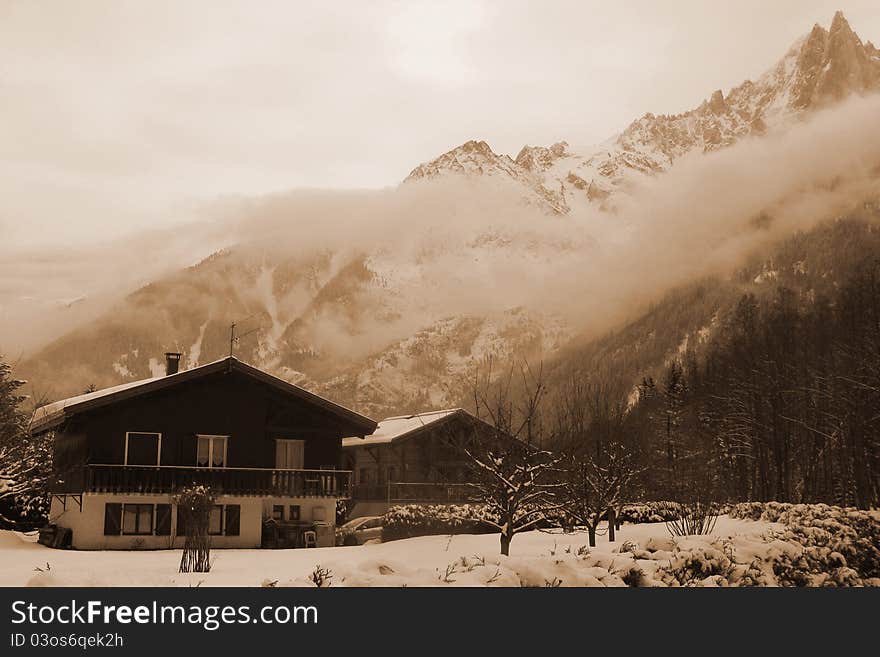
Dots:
(408, 520)
(837, 546)
(693, 566)
(649, 512)
(635, 576)
(768, 511)
(841, 545)
(746, 510)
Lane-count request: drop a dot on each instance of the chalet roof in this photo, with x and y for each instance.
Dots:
(399, 427)
(52, 415)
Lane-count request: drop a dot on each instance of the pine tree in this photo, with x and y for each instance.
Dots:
(25, 461)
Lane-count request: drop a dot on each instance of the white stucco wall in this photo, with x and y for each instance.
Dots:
(87, 523)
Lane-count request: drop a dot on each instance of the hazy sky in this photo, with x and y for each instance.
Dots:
(120, 115)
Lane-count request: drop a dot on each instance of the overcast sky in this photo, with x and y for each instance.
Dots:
(121, 115)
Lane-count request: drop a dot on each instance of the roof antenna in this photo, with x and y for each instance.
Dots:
(235, 339)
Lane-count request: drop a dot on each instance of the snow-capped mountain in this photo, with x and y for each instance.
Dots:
(397, 324)
(821, 68)
(477, 158)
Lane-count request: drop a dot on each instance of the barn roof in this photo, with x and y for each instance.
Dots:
(399, 427)
(52, 415)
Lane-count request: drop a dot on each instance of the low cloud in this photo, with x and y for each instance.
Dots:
(459, 246)
(473, 246)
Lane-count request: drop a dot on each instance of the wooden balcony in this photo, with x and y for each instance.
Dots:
(165, 479)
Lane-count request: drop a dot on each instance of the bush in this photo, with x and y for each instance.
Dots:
(840, 546)
(406, 521)
(767, 511)
(693, 566)
(649, 512)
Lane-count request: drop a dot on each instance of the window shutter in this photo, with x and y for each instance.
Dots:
(181, 529)
(112, 519)
(163, 520)
(233, 519)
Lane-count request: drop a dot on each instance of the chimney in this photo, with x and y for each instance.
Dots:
(172, 362)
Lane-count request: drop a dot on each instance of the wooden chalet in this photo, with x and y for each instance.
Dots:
(414, 458)
(270, 450)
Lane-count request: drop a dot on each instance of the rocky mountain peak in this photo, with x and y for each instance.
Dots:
(717, 103)
(476, 158)
(540, 158)
(839, 24)
(833, 64)
(471, 157)
(823, 67)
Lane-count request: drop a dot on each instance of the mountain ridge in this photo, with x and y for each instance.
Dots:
(820, 68)
(369, 325)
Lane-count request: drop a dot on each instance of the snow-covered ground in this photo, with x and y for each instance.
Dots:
(537, 559)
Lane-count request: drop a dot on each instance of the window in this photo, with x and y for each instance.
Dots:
(372, 523)
(142, 448)
(319, 513)
(278, 512)
(211, 452)
(137, 519)
(362, 476)
(293, 512)
(215, 520)
(289, 454)
(223, 520)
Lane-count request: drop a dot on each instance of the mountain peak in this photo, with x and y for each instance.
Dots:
(473, 156)
(539, 158)
(833, 64)
(717, 103)
(839, 23)
(475, 146)
(821, 68)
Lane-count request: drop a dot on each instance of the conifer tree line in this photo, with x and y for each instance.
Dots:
(783, 405)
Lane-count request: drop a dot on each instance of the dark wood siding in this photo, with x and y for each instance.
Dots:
(434, 454)
(251, 413)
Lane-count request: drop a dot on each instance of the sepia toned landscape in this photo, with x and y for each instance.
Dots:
(643, 358)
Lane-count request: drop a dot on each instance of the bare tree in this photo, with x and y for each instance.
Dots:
(512, 475)
(594, 485)
(599, 468)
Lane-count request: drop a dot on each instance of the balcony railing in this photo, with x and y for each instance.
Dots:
(263, 482)
(403, 492)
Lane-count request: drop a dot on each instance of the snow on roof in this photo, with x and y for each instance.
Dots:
(49, 410)
(393, 428)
